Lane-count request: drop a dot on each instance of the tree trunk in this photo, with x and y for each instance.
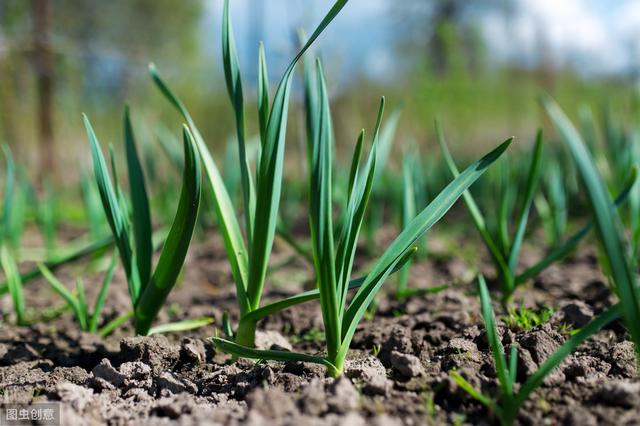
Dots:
(7, 90)
(7, 99)
(43, 59)
(445, 15)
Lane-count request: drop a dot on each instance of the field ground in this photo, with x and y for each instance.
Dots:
(397, 372)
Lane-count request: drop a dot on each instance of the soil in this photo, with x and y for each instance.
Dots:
(397, 371)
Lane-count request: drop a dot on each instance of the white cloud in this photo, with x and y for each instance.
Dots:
(587, 34)
(591, 35)
(628, 19)
(628, 28)
(360, 38)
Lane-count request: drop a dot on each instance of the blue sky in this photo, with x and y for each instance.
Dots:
(595, 36)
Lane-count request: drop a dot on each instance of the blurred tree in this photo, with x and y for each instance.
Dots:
(115, 39)
(97, 51)
(43, 64)
(7, 94)
(438, 24)
(10, 14)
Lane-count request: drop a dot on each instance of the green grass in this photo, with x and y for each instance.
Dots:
(619, 265)
(88, 320)
(252, 201)
(509, 398)
(503, 246)
(148, 287)
(249, 253)
(7, 260)
(333, 260)
(526, 319)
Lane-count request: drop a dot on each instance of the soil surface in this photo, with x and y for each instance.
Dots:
(397, 372)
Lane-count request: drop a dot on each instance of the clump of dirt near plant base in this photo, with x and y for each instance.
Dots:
(397, 373)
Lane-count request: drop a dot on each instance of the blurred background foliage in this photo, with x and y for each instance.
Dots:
(59, 58)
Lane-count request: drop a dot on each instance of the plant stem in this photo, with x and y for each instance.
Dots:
(334, 372)
(142, 325)
(246, 333)
(337, 365)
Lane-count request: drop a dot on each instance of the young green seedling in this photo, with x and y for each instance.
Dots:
(410, 182)
(47, 218)
(89, 249)
(88, 321)
(333, 263)
(7, 260)
(619, 266)
(506, 404)
(93, 246)
(14, 283)
(526, 319)
(551, 203)
(617, 153)
(9, 193)
(249, 260)
(620, 152)
(147, 290)
(92, 207)
(408, 213)
(7, 199)
(19, 210)
(505, 252)
(374, 218)
(43, 205)
(634, 201)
